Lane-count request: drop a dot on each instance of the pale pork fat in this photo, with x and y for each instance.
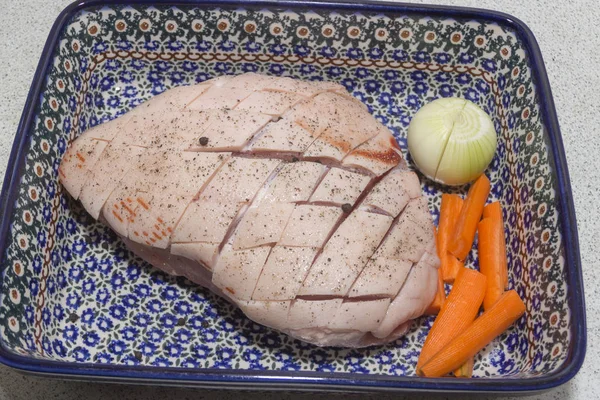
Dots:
(285, 197)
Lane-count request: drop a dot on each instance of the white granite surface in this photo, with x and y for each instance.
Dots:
(569, 35)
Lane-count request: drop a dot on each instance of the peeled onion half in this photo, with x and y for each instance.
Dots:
(452, 140)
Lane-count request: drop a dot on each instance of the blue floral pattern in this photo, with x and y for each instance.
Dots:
(103, 305)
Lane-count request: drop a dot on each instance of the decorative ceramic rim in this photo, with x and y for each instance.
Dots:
(214, 378)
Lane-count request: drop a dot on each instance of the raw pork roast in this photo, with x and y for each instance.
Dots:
(285, 197)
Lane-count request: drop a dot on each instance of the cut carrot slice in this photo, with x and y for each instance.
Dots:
(459, 311)
(465, 370)
(490, 260)
(470, 214)
(453, 265)
(449, 212)
(476, 336)
(494, 211)
(439, 299)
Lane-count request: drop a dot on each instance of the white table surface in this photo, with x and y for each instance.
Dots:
(568, 33)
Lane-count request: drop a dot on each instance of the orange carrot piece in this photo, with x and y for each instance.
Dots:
(490, 260)
(449, 212)
(476, 336)
(439, 299)
(459, 311)
(494, 210)
(453, 265)
(470, 214)
(465, 370)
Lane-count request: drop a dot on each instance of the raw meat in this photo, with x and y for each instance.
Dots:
(285, 197)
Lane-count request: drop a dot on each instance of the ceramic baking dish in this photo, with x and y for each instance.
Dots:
(75, 303)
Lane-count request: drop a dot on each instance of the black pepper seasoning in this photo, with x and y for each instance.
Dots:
(346, 207)
(203, 141)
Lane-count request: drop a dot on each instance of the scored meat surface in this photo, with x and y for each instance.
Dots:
(285, 197)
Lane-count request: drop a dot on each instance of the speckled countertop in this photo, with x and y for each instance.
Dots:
(569, 36)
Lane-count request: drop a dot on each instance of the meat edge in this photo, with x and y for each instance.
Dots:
(163, 260)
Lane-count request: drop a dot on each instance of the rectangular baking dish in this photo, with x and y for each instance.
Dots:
(76, 304)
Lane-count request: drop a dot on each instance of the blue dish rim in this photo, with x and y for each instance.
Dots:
(219, 378)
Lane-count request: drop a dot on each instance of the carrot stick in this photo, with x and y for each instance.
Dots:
(465, 370)
(475, 337)
(494, 210)
(459, 311)
(490, 260)
(439, 299)
(453, 265)
(449, 212)
(470, 214)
